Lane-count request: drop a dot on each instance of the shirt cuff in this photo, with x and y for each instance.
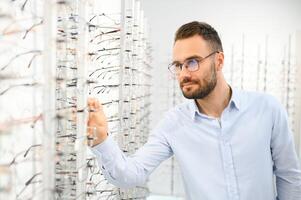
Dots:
(106, 151)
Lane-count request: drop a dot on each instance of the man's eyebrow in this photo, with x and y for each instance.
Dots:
(190, 57)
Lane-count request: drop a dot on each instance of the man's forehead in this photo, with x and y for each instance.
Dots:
(188, 47)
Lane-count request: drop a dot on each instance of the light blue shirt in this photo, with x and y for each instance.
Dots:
(234, 158)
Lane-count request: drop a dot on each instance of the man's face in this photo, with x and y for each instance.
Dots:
(200, 83)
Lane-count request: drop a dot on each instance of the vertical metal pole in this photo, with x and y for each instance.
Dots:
(49, 101)
(288, 75)
(284, 75)
(121, 72)
(242, 62)
(265, 64)
(81, 153)
(34, 101)
(232, 65)
(298, 89)
(258, 67)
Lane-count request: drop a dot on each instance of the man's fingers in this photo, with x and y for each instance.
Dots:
(90, 101)
(94, 105)
(96, 113)
(91, 104)
(97, 105)
(97, 122)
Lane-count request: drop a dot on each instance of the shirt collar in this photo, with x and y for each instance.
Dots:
(234, 101)
(193, 109)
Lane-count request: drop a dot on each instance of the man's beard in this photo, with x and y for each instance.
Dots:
(208, 85)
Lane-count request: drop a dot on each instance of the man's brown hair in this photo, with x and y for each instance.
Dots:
(207, 32)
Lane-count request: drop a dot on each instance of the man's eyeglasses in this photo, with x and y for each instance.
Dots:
(191, 64)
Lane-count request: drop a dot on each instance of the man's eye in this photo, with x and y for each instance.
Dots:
(178, 65)
(192, 62)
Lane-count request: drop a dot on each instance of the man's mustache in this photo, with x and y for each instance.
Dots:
(187, 80)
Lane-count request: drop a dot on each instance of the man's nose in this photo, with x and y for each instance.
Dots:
(184, 73)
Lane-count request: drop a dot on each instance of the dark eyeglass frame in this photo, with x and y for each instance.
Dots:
(172, 68)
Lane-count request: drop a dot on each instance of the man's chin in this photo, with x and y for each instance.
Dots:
(193, 95)
(188, 95)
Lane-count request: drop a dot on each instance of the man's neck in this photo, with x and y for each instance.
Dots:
(214, 104)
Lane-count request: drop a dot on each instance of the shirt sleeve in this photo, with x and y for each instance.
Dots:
(126, 172)
(286, 162)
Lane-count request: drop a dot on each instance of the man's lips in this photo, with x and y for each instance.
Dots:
(187, 84)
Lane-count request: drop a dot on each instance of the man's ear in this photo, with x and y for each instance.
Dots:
(219, 61)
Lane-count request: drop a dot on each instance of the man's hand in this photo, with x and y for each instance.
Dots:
(97, 122)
